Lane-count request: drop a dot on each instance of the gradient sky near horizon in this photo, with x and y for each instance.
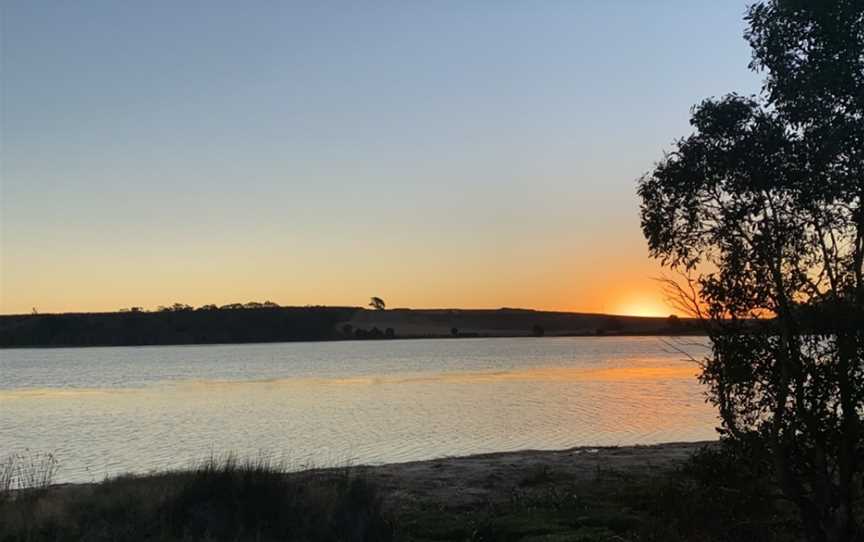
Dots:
(436, 154)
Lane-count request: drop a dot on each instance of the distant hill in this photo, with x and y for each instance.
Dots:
(174, 327)
(277, 324)
(513, 323)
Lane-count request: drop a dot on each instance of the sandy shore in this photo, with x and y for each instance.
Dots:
(456, 483)
(467, 481)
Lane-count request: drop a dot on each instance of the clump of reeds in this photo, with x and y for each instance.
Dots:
(218, 499)
(25, 472)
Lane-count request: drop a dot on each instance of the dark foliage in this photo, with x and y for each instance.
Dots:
(762, 211)
(374, 333)
(723, 493)
(221, 500)
(250, 322)
(718, 495)
(174, 327)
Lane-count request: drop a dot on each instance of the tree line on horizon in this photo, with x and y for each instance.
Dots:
(375, 303)
(179, 307)
(183, 326)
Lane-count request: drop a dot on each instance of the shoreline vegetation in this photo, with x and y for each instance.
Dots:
(267, 322)
(674, 491)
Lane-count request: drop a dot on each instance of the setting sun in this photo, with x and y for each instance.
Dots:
(641, 309)
(641, 304)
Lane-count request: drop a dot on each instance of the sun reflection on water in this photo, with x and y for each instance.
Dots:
(528, 395)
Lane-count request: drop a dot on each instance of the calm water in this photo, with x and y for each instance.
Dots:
(109, 410)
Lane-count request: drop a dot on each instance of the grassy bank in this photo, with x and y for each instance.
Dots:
(706, 498)
(668, 493)
(217, 500)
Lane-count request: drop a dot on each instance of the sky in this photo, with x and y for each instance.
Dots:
(475, 154)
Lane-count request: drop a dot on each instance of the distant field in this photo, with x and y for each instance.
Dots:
(512, 323)
(278, 324)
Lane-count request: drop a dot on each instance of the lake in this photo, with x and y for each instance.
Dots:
(104, 411)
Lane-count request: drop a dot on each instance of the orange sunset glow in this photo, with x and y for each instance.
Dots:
(471, 172)
(566, 271)
(401, 271)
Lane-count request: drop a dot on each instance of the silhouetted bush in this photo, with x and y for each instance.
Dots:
(374, 333)
(722, 493)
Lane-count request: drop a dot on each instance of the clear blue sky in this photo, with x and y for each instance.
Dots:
(476, 154)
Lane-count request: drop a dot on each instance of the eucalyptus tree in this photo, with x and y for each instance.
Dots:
(760, 208)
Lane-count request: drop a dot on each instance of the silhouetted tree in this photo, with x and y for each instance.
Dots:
(176, 307)
(673, 321)
(761, 212)
(377, 303)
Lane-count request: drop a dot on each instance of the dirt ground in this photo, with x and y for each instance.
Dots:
(465, 482)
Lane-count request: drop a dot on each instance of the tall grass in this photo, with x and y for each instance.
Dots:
(26, 472)
(219, 499)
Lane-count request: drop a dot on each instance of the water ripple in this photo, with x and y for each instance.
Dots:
(111, 410)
